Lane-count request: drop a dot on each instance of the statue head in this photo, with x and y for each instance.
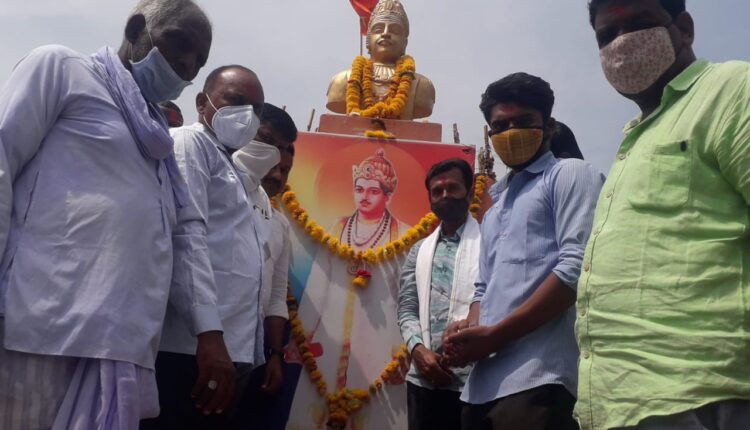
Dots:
(388, 32)
(375, 181)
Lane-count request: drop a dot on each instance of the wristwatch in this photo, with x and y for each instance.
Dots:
(273, 351)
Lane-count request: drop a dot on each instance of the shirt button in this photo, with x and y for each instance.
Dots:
(609, 195)
(597, 231)
(586, 354)
(583, 312)
(622, 156)
(586, 267)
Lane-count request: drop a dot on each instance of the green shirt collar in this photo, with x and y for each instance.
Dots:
(680, 84)
(458, 234)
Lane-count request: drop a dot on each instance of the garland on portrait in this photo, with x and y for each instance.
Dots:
(343, 402)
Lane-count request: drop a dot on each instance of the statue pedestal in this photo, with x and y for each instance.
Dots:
(403, 130)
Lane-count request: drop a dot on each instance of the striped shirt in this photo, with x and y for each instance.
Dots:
(538, 226)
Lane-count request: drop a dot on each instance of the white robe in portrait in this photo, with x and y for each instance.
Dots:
(374, 336)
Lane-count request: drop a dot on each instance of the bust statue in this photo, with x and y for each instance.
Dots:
(386, 85)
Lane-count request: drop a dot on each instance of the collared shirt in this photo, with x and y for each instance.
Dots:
(276, 268)
(229, 257)
(538, 226)
(441, 289)
(85, 220)
(663, 321)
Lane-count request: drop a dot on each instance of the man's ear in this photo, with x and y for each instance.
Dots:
(684, 22)
(200, 102)
(135, 26)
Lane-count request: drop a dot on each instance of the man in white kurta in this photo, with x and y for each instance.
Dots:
(233, 261)
(87, 208)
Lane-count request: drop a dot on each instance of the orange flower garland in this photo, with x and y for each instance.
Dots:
(370, 256)
(380, 134)
(344, 403)
(360, 85)
(480, 186)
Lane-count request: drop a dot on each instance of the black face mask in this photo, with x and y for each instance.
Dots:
(450, 209)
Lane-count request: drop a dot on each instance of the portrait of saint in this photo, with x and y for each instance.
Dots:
(372, 224)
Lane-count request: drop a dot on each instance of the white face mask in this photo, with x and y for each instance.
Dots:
(254, 161)
(634, 61)
(234, 126)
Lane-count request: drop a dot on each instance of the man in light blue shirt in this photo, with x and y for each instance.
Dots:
(520, 326)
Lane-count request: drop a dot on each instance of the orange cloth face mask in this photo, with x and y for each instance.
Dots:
(516, 146)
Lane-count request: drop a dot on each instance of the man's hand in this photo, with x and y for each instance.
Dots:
(428, 364)
(274, 377)
(214, 389)
(454, 328)
(470, 344)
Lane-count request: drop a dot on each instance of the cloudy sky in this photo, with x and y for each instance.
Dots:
(295, 46)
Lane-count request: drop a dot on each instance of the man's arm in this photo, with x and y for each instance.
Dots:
(193, 292)
(30, 102)
(408, 302)
(731, 142)
(278, 312)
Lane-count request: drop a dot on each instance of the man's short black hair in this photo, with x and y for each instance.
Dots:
(280, 122)
(520, 88)
(214, 75)
(673, 7)
(447, 165)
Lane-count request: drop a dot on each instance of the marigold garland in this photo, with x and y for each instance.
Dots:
(370, 256)
(380, 134)
(360, 86)
(343, 403)
(480, 186)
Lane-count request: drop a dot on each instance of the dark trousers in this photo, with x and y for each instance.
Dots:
(433, 409)
(175, 377)
(549, 407)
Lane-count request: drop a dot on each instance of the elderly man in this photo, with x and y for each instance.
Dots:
(259, 407)
(90, 194)
(437, 286)
(230, 258)
(664, 298)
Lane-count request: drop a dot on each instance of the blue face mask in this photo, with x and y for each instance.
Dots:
(156, 79)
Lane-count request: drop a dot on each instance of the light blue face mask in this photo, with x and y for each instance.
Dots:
(156, 78)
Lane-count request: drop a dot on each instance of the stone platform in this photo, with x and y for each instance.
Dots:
(403, 130)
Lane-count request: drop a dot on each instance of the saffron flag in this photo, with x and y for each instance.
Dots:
(364, 9)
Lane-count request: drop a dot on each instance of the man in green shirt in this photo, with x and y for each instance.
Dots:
(664, 295)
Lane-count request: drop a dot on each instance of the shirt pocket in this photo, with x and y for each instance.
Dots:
(662, 177)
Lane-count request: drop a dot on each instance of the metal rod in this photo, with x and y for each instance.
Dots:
(456, 136)
(310, 123)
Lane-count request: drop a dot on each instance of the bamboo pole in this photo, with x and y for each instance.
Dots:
(310, 123)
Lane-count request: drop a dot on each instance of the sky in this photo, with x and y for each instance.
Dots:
(296, 46)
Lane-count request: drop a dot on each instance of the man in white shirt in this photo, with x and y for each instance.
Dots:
(260, 407)
(231, 251)
(89, 195)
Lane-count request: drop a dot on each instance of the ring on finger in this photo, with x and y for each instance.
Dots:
(212, 385)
